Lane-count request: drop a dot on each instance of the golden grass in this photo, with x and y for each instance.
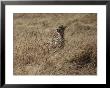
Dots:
(33, 34)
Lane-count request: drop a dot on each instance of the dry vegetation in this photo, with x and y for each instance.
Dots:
(33, 52)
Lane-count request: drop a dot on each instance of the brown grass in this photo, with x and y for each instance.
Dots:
(33, 54)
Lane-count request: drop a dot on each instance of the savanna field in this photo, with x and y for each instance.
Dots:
(55, 44)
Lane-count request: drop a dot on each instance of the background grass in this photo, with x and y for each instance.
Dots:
(33, 34)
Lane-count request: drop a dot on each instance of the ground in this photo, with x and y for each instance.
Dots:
(33, 52)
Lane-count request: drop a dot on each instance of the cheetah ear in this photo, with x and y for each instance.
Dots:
(61, 26)
(65, 27)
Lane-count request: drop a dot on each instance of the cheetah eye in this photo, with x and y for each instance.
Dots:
(58, 30)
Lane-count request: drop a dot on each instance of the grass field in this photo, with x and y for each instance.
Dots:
(33, 52)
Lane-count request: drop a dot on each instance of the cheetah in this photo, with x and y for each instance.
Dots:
(58, 38)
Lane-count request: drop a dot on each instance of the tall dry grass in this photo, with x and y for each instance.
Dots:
(33, 35)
